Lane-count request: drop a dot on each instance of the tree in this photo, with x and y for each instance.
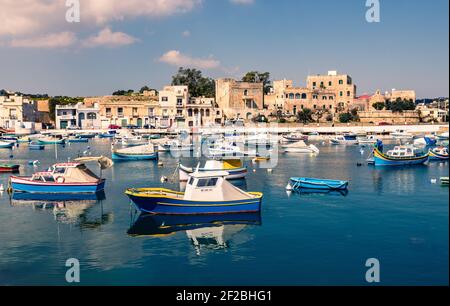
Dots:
(305, 115)
(144, 88)
(198, 85)
(400, 105)
(128, 92)
(259, 77)
(378, 105)
(345, 117)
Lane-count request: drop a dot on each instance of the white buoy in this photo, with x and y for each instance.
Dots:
(433, 181)
(163, 179)
(160, 164)
(254, 170)
(269, 170)
(289, 187)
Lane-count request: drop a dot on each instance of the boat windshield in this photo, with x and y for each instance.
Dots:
(59, 170)
(211, 182)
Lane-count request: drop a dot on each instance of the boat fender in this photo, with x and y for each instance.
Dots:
(254, 170)
(433, 181)
(60, 179)
(269, 170)
(2, 188)
(160, 164)
(163, 179)
(289, 187)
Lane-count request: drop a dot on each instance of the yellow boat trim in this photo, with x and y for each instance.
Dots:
(383, 156)
(141, 192)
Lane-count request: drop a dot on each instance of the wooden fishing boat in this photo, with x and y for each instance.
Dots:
(71, 177)
(6, 144)
(206, 193)
(36, 146)
(399, 156)
(316, 183)
(6, 167)
(438, 153)
(76, 139)
(232, 166)
(143, 152)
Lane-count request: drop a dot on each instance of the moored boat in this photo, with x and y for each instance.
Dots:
(370, 139)
(424, 142)
(51, 140)
(175, 145)
(70, 177)
(399, 156)
(316, 183)
(444, 180)
(234, 168)
(206, 193)
(294, 137)
(6, 167)
(6, 144)
(345, 139)
(401, 134)
(35, 146)
(438, 153)
(76, 139)
(142, 152)
(300, 147)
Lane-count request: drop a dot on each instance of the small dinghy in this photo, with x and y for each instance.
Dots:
(294, 137)
(438, 153)
(206, 193)
(300, 147)
(142, 152)
(76, 139)
(315, 183)
(6, 144)
(51, 140)
(232, 166)
(346, 139)
(9, 167)
(36, 146)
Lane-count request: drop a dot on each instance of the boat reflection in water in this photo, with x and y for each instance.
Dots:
(327, 192)
(66, 208)
(204, 231)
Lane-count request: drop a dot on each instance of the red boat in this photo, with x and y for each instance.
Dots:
(9, 168)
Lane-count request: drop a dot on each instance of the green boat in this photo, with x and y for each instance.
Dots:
(49, 140)
(444, 180)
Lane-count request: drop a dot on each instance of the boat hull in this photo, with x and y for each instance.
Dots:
(381, 159)
(9, 168)
(318, 184)
(436, 156)
(36, 147)
(7, 145)
(76, 140)
(119, 156)
(19, 184)
(49, 142)
(234, 174)
(178, 206)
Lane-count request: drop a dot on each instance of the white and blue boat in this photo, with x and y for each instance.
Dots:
(65, 178)
(143, 152)
(206, 193)
(76, 139)
(345, 139)
(296, 183)
(234, 168)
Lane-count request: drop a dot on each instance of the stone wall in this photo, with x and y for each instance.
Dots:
(408, 117)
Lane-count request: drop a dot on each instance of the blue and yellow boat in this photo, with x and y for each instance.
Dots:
(206, 193)
(399, 156)
(438, 153)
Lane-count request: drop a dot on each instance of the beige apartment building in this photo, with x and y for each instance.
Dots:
(136, 110)
(239, 99)
(340, 84)
(15, 110)
(401, 94)
(202, 111)
(173, 101)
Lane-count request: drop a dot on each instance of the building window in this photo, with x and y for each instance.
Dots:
(207, 113)
(120, 111)
(341, 82)
(150, 112)
(321, 84)
(179, 102)
(218, 113)
(295, 109)
(330, 98)
(108, 111)
(314, 84)
(341, 93)
(164, 99)
(190, 112)
(301, 106)
(324, 106)
(303, 96)
(291, 96)
(330, 83)
(315, 97)
(202, 112)
(324, 97)
(331, 106)
(246, 92)
(297, 96)
(315, 106)
(348, 93)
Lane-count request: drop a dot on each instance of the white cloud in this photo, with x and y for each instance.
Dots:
(54, 40)
(244, 2)
(186, 33)
(176, 58)
(110, 39)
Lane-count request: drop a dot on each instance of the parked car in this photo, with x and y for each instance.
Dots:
(114, 127)
(132, 127)
(384, 123)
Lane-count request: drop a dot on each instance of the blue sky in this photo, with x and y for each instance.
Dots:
(116, 47)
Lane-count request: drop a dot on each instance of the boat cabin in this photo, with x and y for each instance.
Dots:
(212, 186)
(401, 151)
(66, 173)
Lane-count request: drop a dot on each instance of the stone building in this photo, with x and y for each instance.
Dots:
(15, 110)
(202, 111)
(341, 85)
(173, 101)
(78, 115)
(401, 94)
(239, 99)
(127, 110)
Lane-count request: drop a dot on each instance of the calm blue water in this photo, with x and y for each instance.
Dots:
(395, 215)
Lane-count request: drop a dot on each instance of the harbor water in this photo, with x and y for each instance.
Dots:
(396, 215)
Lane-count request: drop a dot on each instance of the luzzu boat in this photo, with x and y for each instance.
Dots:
(232, 166)
(61, 178)
(296, 183)
(143, 152)
(9, 167)
(399, 156)
(438, 153)
(206, 193)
